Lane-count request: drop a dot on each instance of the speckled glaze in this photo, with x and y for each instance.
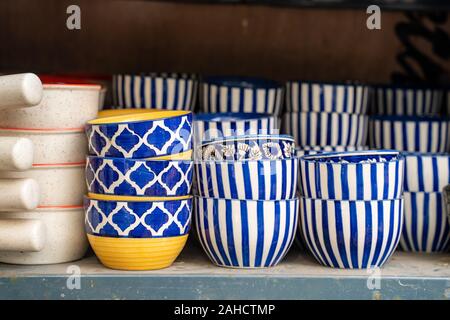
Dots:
(53, 147)
(62, 185)
(19, 194)
(65, 239)
(63, 106)
(16, 153)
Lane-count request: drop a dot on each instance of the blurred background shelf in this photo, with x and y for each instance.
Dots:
(405, 276)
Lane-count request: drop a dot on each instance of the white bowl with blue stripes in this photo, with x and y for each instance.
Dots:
(326, 128)
(247, 180)
(409, 133)
(406, 100)
(426, 227)
(426, 172)
(246, 233)
(351, 234)
(208, 126)
(170, 91)
(240, 94)
(248, 147)
(355, 175)
(307, 150)
(327, 97)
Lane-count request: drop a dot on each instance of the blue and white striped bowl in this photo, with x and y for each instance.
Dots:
(131, 177)
(246, 233)
(208, 126)
(409, 133)
(356, 175)
(326, 128)
(351, 234)
(138, 219)
(248, 147)
(328, 97)
(241, 94)
(426, 228)
(171, 91)
(247, 180)
(426, 172)
(403, 100)
(307, 150)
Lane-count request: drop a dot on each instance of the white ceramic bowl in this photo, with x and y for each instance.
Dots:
(53, 146)
(63, 106)
(64, 238)
(62, 185)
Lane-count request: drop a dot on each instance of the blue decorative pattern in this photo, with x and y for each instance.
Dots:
(357, 175)
(307, 150)
(246, 234)
(392, 100)
(325, 128)
(237, 94)
(147, 219)
(141, 139)
(408, 133)
(427, 172)
(426, 228)
(351, 234)
(327, 97)
(256, 180)
(130, 177)
(169, 91)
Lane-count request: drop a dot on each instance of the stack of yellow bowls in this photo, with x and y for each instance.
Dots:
(139, 177)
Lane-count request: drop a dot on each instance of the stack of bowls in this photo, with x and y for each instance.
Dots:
(246, 210)
(408, 120)
(54, 128)
(139, 177)
(352, 207)
(170, 91)
(325, 114)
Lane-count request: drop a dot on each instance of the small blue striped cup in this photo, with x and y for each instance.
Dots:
(351, 234)
(246, 233)
(355, 175)
(426, 228)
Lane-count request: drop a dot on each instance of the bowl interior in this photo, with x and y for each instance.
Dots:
(355, 156)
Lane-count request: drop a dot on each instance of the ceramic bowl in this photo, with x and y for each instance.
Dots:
(240, 94)
(246, 233)
(348, 234)
(171, 91)
(136, 134)
(153, 178)
(248, 147)
(63, 106)
(326, 128)
(409, 133)
(138, 219)
(20, 91)
(16, 153)
(354, 175)
(326, 97)
(307, 150)
(426, 172)
(53, 146)
(208, 126)
(406, 100)
(426, 227)
(137, 253)
(64, 238)
(60, 185)
(247, 180)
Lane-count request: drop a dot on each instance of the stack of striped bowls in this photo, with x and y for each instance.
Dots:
(352, 207)
(408, 120)
(139, 176)
(246, 210)
(326, 116)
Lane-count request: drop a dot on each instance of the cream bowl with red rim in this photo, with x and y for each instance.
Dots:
(66, 104)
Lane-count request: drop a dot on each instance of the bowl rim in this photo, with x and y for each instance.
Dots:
(348, 83)
(89, 157)
(401, 199)
(417, 154)
(230, 116)
(162, 75)
(412, 118)
(138, 117)
(295, 114)
(200, 161)
(244, 82)
(296, 199)
(374, 152)
(411, 86)
(120, 198)
(237, 138)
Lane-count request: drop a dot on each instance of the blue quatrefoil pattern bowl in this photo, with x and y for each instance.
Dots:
(130, 177)
(141, 139)
(138, 219)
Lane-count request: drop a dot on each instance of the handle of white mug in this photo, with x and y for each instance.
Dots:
(22, 235)
(16, 154)
(20, 90)
(19, 194)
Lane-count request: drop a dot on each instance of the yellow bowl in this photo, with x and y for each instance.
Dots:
(132, 115)
(137, 253)
(109, 197)
(187, 155)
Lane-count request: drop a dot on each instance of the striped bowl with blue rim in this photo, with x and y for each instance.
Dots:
(351, 234)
